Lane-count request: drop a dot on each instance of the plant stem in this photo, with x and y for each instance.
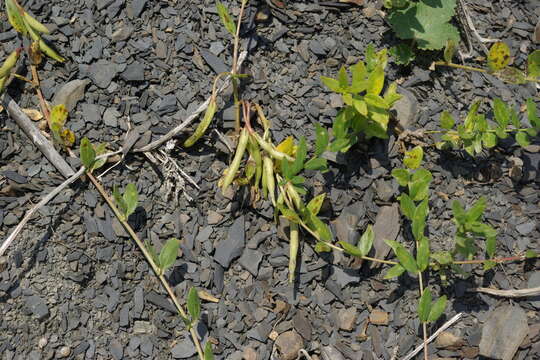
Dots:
(497, 260)
(42, 103)
(148, 258)
(488, 130)
(235, 64)
(335, 247)
(457, 66)
(293, 250)
(424, 325)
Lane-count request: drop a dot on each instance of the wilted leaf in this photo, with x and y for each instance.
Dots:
(414, 158)
(449, 50)
(33, 114)
(314, 206)
(59, 115)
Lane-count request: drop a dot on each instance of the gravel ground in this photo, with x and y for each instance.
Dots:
(74, 286)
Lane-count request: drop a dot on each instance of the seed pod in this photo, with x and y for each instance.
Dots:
(203, 125)
(15, 18)
(10, 62)
(2, 84)
(293, 249)
(294, 196)
(255, 153)
(34, 24)
(235, 165)
(269, 178)
(50, 52)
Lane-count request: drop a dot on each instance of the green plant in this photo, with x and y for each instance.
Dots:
(498, 61)
(476, 133)
(424, 23)
(167, 255)
(366, 111)
(127, 202)
(7, 67)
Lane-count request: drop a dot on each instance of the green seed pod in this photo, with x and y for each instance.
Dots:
(2, 84)
(293, 250)
(269, 178)
(235, 165)
(203, 125)
(50, 52)
(15, 18)
(10, 62)
(34, 24)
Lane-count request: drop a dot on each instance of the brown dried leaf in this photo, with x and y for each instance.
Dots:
(204, 295)
(33, 114)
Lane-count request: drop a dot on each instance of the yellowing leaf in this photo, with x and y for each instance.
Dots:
(68, 137)
(59, 115)
(499, 56)
(286, 146)
(15, 18)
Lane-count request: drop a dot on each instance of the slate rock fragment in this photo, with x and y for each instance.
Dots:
(503, 332)
(215, 63)
(250, 260)
(133, 72)
(37, 306)
(232, 247)
(183, 349)
(387, 226)
(70, 94)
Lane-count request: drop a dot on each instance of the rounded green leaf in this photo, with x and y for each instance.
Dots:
(413, 158)
(499, 56)
(394, 271)
(533, 63)
(405, 258)
(88, 154)
(402, 176)
(366, 241)
(407, 206)
(131, 198)
(447, 120)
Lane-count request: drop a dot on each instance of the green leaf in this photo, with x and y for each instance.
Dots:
(511, 75)
(402, 176)
(499, 56)
(394, 271)
(332, 84)
(339, 144)
(502, 113)
(476, 211)
(407, 206)
(489, 139)
(301, 153)
(419, 219)
(289, 214)
(208, 353)
(530, 254)
(491, 245)
(422, 255)
(226, 18)
(318, 226)
(314, 205)
(449, 50)
(343, 78)
(120, 202)
(437, 309)
(427, 22)
(371, 58)
(350, 249)
(194, 305)
(375, 81)
(298, 180)
(459, 213)
(522, 139)
(405, 258)
(321, 246)
(359, 73)
(413, 158)
(168, 254)
(318, 164)
(360, 106)
(447, 120)
(424, 306)
(533, 64)
(366, 241)
(402, 53)
(442, 257)
(419, 184)
(321, 139)
(131, 198)
(88, 154)
(532, 114)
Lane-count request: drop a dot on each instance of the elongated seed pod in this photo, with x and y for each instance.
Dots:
(49, 51)
(293, 250)
(15, 18)
(2, 84)
(294, 196)
(10, 62)
(256, 154)
(269, 178)
(235, 165)
(271, 150)
(203, 125)
(34, 24)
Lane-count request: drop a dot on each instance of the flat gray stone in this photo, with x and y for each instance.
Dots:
(387, 226)
(70, 94)
(534, 281)
(217, 65)
(183, 349)
(232, 247)
(37, 306)
(406, 108)
(503, 332)
(250, 260)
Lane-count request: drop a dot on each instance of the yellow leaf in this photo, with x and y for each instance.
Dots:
(499, 56)
(68, 138)
(286, 146)
(59, 114)
(33, 114)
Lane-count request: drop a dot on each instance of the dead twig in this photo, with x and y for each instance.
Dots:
(432, 337)
(44, 145)
(154, 144)
(43, 202)
(508, 293)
